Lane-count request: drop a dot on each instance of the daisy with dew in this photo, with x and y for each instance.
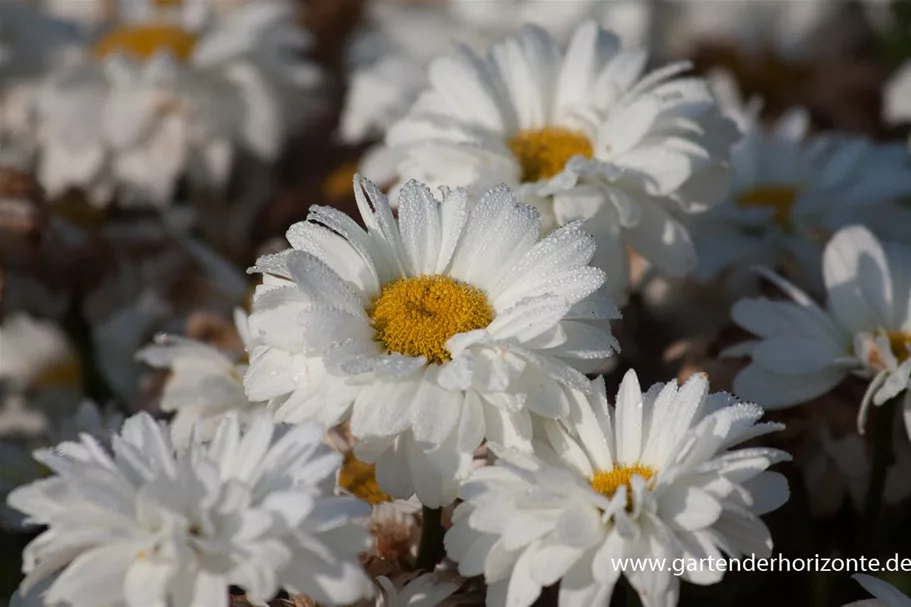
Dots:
(791, 190)
(185, 93)
(451, 324)
(656, 476)
(143, 524)
(886, 594)
(802, 350)
(18, 467)
(579, 132)
(388, 58)
(205, 384)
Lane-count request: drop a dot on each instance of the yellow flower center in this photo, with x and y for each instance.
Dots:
(417, 316)
(66, 373)
(143, 41)
(900, 344)
(543, 154)
(359, 479)
(607, 482)
(167, 3)
(337, 186)
(779, 198)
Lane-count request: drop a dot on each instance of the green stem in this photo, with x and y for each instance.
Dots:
(882, 454)
(430, 551)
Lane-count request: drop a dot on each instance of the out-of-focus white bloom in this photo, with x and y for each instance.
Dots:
(205, 384)
(154, 101)
(580, 133)
(18, 467)
(756, 26)
(145, 525)
(427, 590)
(654, 477)
(897, 96)
(35, 351)
(802, 351)
(790, 191)
(886, 594)
(629, 18)
(31, 43)
(432, 331)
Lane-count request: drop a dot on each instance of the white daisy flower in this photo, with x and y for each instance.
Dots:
(790, 191)
(33, 350)
(17, 467)
(31, 43)
(886, 594)
(580, 133)
(802, 350)
(249, 509)
(428, 590)
(431, 332)
(653, 477)
(206, 383)
(156, 101)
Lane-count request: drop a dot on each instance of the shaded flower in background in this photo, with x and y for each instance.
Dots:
(152, 102)
(249, 509)
(427, 590)
(652, 477)
(886, 594)
(433, 331)
(580, 133)
(803, 351)
(205, 384)
(791, 190)
(393, 522)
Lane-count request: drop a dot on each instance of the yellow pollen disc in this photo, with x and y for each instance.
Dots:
(543, 154)
(65, 373)
(143, 41)
(607, 482)
(359, 479)
(167, 3)
(417, 316)
(778, 198)
(337, 185)
(900, 344)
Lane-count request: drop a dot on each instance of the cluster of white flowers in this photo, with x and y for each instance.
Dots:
(437, 363)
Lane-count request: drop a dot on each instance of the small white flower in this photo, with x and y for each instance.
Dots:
(803, 351)
(145, 525)
(655, 477)
(790, 191)
(205, 384)
(155, 101)
(34, 351)
(428, 590)
(431, 332)
(18, 467)
(886, 594)
(580, 133)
